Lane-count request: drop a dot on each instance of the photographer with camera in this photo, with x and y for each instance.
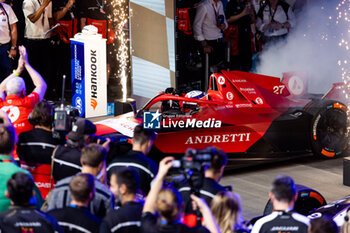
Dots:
(209, 186)
(141, 145)
(35, 147)
(167, 202)
(16, 104)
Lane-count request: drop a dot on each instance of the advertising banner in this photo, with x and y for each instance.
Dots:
(89, 76)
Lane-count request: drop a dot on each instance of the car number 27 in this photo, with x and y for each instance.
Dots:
(278, 89)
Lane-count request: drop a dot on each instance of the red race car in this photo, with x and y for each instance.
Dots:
(253, 118)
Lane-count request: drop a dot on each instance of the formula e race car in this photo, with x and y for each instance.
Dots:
(253, 118)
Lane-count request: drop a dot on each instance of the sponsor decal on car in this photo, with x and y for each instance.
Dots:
(216, 138)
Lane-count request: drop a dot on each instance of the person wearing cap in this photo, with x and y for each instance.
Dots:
(66, 158)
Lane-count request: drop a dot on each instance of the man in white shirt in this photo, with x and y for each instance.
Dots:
(208, 26)
(38, 20)
(8, 39)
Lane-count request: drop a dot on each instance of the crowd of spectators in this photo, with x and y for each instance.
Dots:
(85, 194)
(92, 201)
(246, 27)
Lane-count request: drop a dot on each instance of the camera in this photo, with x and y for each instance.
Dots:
(192, 165)
(64, 118)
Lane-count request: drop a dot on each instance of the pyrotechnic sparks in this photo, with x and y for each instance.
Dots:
(121, 21)
(343, 9)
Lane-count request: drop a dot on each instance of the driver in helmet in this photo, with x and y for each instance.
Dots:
(195, 94)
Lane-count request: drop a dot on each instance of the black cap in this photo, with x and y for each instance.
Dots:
(80, 128)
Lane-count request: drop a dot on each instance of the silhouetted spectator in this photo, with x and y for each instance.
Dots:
(67, 157)
(35, 147)
(136, 158)
(127, 219)
(76, 217)
(21, 216)
(92, 160)
(240, 15)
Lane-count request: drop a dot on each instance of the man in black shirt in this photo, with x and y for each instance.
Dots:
(67, 157)
(240, 13)
(65, 13)
(283, 196)
(92, 159)
(76, 217)
(21, 216)
(127, 219)
(136, 158)
(210, 187)
(35, 147)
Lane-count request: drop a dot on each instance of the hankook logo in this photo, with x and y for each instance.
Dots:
(93, 67)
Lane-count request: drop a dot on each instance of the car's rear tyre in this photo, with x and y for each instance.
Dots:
(307, 201)
(329, 132)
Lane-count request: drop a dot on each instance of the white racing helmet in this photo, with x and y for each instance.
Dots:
(193, 95)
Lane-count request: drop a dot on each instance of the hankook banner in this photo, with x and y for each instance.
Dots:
(89, 76)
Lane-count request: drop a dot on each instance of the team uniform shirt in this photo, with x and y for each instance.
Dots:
(279, 15)
(27, 219)
(102, 203)
(18, 110)
(5, 36)
(146, 168)
(34, 149)
(38, 29)
(75, 219)
(281, 221)
(66, 162)
(126, 219)
(36, 146)
(205, 23)
(149, 225)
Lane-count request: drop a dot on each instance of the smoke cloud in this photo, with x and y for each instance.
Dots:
(317, 46)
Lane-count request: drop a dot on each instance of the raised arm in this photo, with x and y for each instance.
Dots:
(39, 82)
(17, 72)
(208, 219)
(151, 199)
(61, 13)
(36, 15)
